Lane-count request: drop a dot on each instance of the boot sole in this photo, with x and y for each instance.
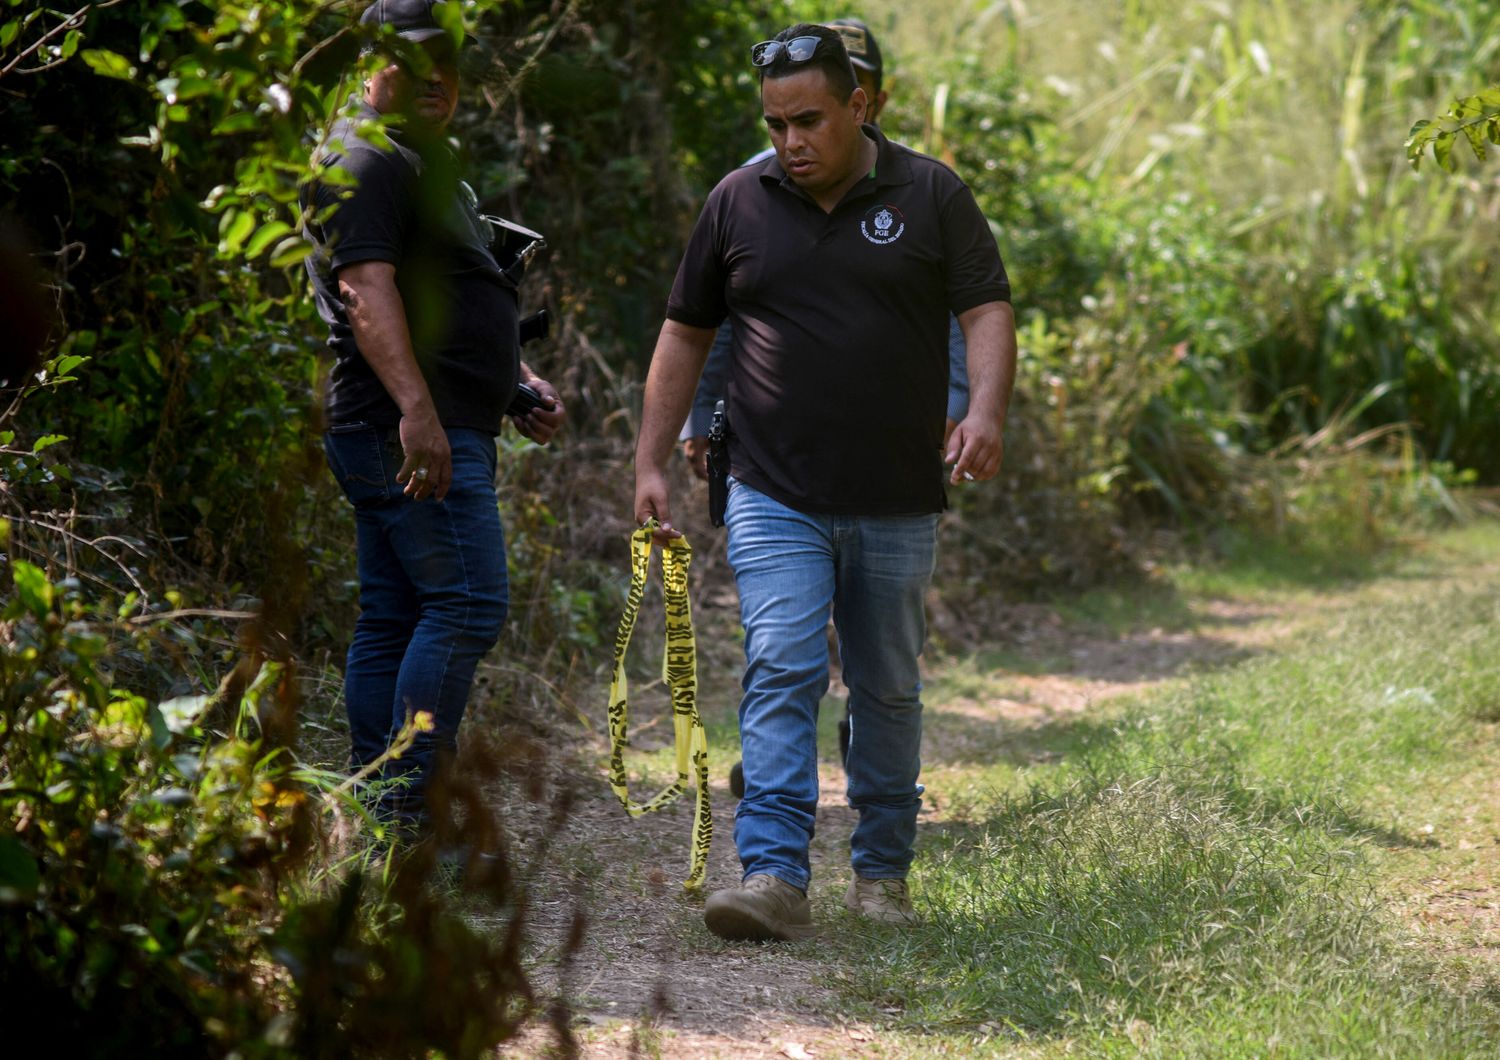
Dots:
(889, 920)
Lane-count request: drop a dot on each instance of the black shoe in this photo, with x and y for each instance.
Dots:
(737, 780)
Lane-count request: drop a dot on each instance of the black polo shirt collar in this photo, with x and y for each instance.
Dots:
(892, 167)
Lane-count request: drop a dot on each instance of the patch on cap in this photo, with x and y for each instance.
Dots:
(859, 42)
(856, 41)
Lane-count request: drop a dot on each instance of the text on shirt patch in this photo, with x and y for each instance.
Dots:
(882, 224)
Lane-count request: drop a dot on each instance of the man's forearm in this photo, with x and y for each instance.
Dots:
(377, 316)
(990, 334)
(675, 367)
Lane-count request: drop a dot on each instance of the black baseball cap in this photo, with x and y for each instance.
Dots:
(859, 42)
(411, 19)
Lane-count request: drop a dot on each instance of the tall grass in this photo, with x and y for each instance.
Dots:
(1315, 265)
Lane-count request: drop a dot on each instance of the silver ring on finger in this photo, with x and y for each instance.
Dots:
(421, 474)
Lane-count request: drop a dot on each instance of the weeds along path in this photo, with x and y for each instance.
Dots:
(1137, 804)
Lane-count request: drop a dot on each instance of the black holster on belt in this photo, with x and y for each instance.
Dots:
(718, 466)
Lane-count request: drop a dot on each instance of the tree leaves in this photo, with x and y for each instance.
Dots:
(33, 589)
(263, 237)
(1475, 118)
(234, 228)
(106, 63)
(20, 877)
(263, 75)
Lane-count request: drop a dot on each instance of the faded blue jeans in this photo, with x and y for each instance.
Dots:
(872, 572)
(432, 598)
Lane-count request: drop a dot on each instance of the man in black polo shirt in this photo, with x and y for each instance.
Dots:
(869, 68)
(838, 262)
(423, 325)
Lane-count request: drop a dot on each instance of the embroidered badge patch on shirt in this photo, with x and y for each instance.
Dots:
(882, 224)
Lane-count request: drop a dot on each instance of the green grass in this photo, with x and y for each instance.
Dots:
(1129, 608)
(1200, 873)
(1247, 567)
(981, 675)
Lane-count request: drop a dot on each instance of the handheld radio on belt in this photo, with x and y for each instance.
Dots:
(718, 466)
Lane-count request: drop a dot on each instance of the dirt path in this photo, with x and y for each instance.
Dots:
(650, 980)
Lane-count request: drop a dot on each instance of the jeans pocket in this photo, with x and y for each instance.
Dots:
(356, 455)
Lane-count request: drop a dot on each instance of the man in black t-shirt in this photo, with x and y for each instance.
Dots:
(838, 262)
(422, 321)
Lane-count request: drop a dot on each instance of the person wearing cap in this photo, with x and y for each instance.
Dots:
(838, 262)
(421, 308)
(869, 69)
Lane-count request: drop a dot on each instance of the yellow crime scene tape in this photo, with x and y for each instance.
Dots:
(680, 672)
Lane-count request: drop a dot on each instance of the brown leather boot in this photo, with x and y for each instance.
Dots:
(885, 901)
(759, 910)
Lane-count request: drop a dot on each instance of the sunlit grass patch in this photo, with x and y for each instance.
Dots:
(1106, 902)
(981, 676)
(1129, 608)
(1199, 875)
(1117, 910)
(1255, 567)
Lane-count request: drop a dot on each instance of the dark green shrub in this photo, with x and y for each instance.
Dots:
(140, 856)
(162, 886)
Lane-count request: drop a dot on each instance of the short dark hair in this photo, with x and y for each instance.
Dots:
(830, 56)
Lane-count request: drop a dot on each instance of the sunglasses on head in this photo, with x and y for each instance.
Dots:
(798, 50)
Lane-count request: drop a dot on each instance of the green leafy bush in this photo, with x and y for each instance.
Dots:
(162, 877)
(140, 856)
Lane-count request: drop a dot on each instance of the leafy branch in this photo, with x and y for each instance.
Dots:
(71, 25)
(1476, 119)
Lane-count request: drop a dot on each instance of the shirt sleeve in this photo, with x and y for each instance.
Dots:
(370, 219)
(976, 274)
(697, 297)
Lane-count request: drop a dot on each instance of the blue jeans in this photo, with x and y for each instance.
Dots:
(872, 572)
(432, 598)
